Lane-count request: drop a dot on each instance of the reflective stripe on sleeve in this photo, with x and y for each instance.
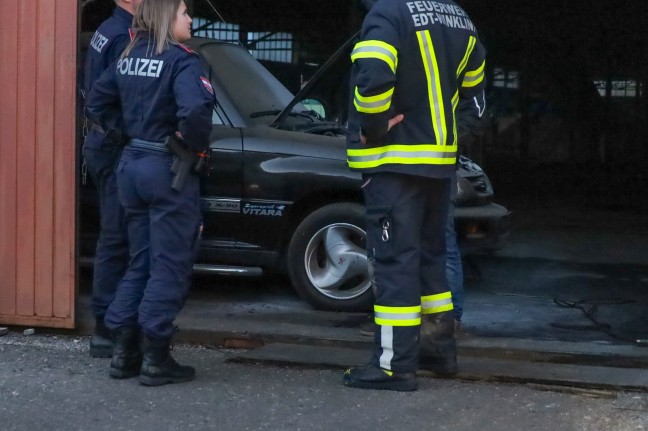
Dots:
(373, 104)
(455, 103)
(378, 50)
(397, 316)
(474, 77)
(423, 154)
(435, 95)
(436, 303)
(472, 41)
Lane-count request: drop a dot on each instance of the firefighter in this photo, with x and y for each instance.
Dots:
(100, 154)
(414, 62)
(156, 89)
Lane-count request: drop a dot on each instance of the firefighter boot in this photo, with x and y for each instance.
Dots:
(126, 358)
(101, 344)
(372, 377)
(438, 344)
(159, 367)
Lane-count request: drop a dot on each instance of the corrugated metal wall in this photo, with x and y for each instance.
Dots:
(38, 48)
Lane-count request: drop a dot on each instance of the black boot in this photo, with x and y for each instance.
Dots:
(101, 344)
(438, 344)
(127, 358)
(158, 367)
(372, 377)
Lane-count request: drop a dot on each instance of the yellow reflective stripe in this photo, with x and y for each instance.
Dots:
(388, 309)
(373, 104)
(424, 154)
(397, 316)
(474, 77)
(472, 41)
(390, 322)
(402, 148)
(443, 295)
(478, 71)
(435, 96)
(436, 303)
(402, 161)
(455, 103)
(376, 49)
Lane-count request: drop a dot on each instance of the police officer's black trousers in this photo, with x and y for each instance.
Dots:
(163, 230)
(406, 220)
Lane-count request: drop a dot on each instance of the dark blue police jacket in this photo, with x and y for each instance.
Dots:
(150, 96)
(107, 44)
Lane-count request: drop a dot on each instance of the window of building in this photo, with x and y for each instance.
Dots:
(271, 46)
(620, 88)
(215, 30)
(267, 46)
(506, 78)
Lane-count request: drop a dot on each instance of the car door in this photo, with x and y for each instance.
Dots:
(221, 188)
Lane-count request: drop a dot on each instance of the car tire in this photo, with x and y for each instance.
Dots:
(327, 261)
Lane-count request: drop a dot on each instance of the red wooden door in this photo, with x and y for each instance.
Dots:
(38, 48)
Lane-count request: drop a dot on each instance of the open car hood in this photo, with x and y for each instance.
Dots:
(329, 86)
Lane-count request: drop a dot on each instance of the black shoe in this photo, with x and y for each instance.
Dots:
(101, 343)
(438, 344)
(372, 377)
(127, 358)
(159, 367)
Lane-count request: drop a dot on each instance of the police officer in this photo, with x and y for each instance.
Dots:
(100, 154)
(414, 62)
(155, 90)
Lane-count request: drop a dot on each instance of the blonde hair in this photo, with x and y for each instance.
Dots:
(155, 17)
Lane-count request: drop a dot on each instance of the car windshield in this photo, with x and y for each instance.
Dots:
(257, 94)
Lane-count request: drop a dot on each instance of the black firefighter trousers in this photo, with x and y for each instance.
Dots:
(405, 220)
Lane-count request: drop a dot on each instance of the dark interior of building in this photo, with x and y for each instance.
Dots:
(568, 106)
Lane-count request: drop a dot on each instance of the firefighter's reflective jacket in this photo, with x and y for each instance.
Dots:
(416, 58)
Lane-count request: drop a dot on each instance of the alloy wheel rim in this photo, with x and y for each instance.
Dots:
(336, 261)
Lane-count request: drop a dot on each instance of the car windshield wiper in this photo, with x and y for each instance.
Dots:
(264, 113)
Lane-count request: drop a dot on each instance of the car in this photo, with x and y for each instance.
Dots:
(278, 196)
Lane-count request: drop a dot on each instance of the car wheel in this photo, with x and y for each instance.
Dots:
(327, 261)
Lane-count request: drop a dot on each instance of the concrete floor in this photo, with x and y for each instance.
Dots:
(522, 302)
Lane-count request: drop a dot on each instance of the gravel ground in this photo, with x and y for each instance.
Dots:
(49, 382)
